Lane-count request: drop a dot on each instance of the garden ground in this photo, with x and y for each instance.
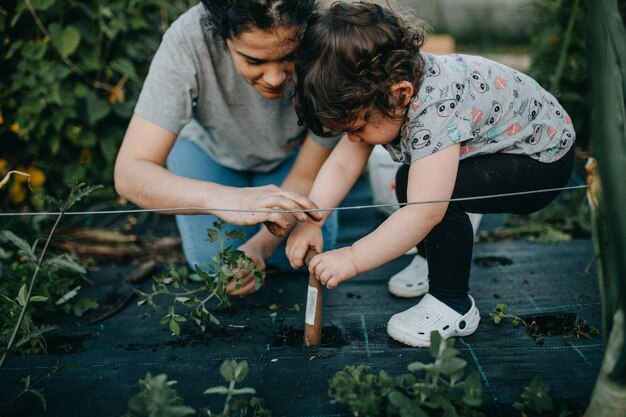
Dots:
(553, 283)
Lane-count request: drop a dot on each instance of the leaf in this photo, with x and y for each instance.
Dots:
(212, 235)
(79, 191)
(42, 4)
(21, 244)
(38, 299)
(108, 147)
(68, 296)
(21, 296)
(125, 67)
(419, 366)
(244, 391)
(398, 399)
(221, 390)
(241, 371)
(62, 262)
(227, 370)
(450, 366)
(235, 234)
(69, 41)
(435, 342)
(174, 327)
(97, 108)
(83, 304)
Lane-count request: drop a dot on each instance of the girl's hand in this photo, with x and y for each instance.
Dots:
(333, 267)
(256, 253)
(301, 238)
(266, 198)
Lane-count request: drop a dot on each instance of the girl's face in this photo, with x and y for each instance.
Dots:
(375, 131)
(265, 59)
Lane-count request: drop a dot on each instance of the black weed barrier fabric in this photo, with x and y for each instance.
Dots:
(547, 283)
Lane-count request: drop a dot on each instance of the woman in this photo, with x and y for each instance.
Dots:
(215, 110)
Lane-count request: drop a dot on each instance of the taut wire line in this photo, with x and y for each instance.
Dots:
(361, 207)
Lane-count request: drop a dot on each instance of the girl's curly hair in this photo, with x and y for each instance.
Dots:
(227, 19)
(349, 57)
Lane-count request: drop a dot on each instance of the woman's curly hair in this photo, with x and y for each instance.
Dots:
(349, 57)
(227, 19)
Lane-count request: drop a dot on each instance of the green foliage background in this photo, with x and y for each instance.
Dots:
(571, 82)
(70, 75)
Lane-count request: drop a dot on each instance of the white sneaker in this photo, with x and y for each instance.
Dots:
(412, 281)
(413, 326)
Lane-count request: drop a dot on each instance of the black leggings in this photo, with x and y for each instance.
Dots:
(448, 246)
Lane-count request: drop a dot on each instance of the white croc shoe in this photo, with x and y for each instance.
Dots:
(413, 326)
(412, 281)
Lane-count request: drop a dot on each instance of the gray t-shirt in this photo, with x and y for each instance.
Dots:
(487, 107)
(194, 91)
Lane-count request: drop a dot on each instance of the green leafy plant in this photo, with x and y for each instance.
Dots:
(17, 329)
(442, 387)
(236, 402)
(70, 75)
(535, 398)
(157, 398)
(30, 398)
(198, 293)
(560, 31)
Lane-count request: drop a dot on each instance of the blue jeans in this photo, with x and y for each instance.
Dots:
(188, 160)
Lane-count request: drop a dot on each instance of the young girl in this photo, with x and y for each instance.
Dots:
(463, 126)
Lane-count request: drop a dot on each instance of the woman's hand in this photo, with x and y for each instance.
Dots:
(266, 199)
(256, 253)
(301, 238)
(333, 267)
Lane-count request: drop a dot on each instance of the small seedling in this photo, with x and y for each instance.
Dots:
(442, 387)
(540, 326)
(499, 313)
(535, 398)
(227, 265)
(158, 398)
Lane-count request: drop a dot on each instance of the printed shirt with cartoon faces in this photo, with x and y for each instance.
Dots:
(486, 106)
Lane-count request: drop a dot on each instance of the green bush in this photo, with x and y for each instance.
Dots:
(70, 75)
(559, 58)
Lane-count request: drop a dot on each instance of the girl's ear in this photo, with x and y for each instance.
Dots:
(403, 91)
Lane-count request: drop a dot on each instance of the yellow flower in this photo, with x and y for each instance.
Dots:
(17, 193)
(1, 119)
(37, 177)
(3, 166)
(15, 128)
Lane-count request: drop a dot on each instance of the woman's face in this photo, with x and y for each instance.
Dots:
(265, 59)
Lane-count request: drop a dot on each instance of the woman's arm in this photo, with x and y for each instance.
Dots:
(430, 179)
(299, 180)
(140, 177)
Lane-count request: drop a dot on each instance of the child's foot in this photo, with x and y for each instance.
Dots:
(413, 326)
(412, 281)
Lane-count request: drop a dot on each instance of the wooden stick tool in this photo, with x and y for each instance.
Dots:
(313, 314)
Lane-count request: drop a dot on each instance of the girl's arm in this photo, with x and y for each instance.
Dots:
(335, 179)
(430, 178)
(299, 180)
(339, 173)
